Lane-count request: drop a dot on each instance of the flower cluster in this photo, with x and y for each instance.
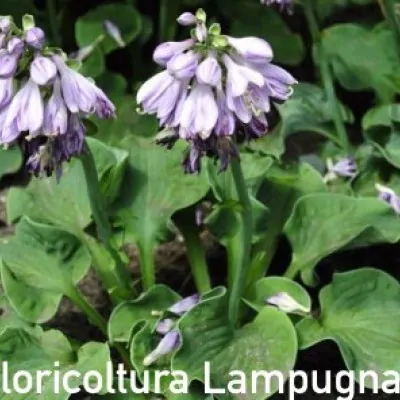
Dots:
(43, 100)
(216, 90)
(288, 4)
(170, 340)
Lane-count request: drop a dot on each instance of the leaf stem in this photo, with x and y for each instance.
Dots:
(147, 267)
(242, 261)
(52, 15)
(326, 74)
(103, 226)
(186, 224)
(96, 319)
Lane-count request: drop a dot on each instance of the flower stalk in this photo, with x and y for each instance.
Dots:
(326, 75)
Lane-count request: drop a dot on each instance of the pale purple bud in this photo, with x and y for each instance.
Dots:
(114, 32)
(209, 71)
(15, 46)
(168, 343)
(26, 109)
(239, 77)
(183, 66)
(42, 70)
(6, 92)
(165, 51)
(287, 303)
(83, 53)
(164, 326)
(187, 19)
(389, 196)
(55, 113)
(184, 305)
(5, 24)
(8, 65)
(201, 32)
(35, 38)
(199, 113)
(346, 168)
(252, 49)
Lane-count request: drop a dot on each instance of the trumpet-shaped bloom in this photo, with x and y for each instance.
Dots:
(42, 70)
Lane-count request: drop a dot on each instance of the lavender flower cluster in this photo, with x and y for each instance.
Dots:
(216, 90)
(43, 100)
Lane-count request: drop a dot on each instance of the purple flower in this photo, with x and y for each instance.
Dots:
(209, 71)
(345, 167)
(184, 305)
(8, 64)
(199, 113)
(26, 110)
(3, 40)
(164, 326)
(82, 95)
(389, 196)
(5, 24)
(42, 70)
(6, 92)
(15, 46)
(55, 113)
(252, 49)
(35, 38)
(165, 51)
(184, 65)
(213, 95)
(114, 32)
(187, 19)
(288, 4)
(168, 343)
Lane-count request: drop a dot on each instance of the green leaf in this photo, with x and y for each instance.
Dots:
(309, 110)
(42, 351)
(111, 164)
(207, 336)
(10, 160)
(273, 285)
(94, 65)
(327, 7)
(64, 204)
(360, 311)
(152, 190)
(323, 223)
(39, 265)
(249, 19)
(381, 132)
(90, 26)
(127, 315)
(349, 48)
(115, 85)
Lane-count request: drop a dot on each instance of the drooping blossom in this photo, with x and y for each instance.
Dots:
(287, 303)
(283, 4)
(389, 196)
(184, 305)
(41, 107)
(215, 91)
(345, 168)
(167, 344)
(114, 32)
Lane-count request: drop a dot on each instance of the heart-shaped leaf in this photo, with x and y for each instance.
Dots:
(10, 160)
(323, 223)
(40, 352)
(39, 265)
(360, 311)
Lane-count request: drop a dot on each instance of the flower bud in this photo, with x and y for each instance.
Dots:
(201, 32)
(164, 326)
(287, 303)
(183, 66)
(184, 305)
(15, 46)
(5, 24)
(165, 51)
(209, 71)
(253, 49)
(8, 65)
(35, 38)
(167, 344)
(114, 32)
(187, 19)
(42, 70)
